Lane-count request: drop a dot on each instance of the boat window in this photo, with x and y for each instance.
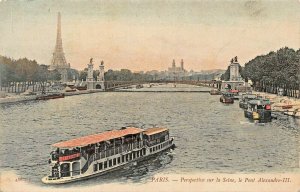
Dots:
(130, 156)
(150, 150)
(123, 159)
(127, 157)
(95, 167)
(133, 155)
(141, 152)
(115, 161)
(105, 164)
(119, 160)
(138, 154)
(100, 166)
(110, 163)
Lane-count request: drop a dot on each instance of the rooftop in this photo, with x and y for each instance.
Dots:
(96, 138)
(154, 130)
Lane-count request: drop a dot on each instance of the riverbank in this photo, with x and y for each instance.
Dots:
(14, 98)
(284, 104)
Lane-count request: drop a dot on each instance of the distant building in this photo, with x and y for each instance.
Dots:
(59, 61)
(176, 73)
(97, 83)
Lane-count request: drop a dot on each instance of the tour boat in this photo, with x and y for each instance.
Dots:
(98, 154)
(259, 110)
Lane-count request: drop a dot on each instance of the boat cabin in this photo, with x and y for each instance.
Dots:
(244, 100)
(156, 135)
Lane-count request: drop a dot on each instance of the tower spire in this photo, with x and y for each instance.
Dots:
(59, 60)
(58, 36)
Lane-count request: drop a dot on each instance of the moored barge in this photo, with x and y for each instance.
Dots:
(99, 154)
(50, 96)
(258, 110)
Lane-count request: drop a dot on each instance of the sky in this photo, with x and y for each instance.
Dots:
(149, 34)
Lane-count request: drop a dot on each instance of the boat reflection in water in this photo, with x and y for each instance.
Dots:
(98, 154)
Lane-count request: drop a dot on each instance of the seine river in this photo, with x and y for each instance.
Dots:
(210, 137)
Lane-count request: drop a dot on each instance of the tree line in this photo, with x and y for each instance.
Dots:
(25, 70)
(118, 75)
(273, 71)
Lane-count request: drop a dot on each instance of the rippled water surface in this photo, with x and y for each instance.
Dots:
(210, 136)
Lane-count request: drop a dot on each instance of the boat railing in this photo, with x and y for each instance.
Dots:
(110, 152)
(87, 164)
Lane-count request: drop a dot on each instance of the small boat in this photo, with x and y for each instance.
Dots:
(99, 154)
(244, 100)
(258, 110)
(235, 94)
(215, 92)
(47, 96)
(227, 97)
(80, 88)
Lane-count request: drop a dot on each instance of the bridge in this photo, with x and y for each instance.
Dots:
(112, 85)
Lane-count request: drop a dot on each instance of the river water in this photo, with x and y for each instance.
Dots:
(210, 136)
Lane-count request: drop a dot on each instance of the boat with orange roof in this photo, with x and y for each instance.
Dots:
(98, 154)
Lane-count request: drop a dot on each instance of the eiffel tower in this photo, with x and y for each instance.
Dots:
(59, 61)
